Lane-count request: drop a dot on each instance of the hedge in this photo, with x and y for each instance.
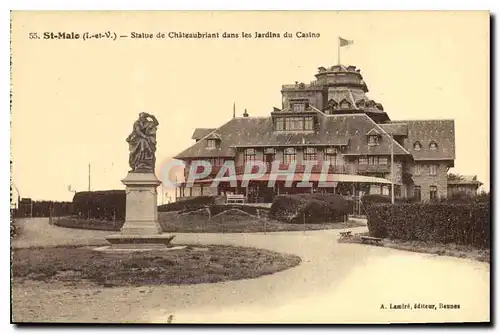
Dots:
(101, 205)
(43, 209)
(317, 208)
(461, 223)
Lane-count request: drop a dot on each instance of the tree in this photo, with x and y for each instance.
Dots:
(455, 177)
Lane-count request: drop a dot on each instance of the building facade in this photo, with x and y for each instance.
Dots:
(330, 119)
(467, 185)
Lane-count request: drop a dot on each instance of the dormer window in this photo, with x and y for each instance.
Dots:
(361, 103)
(345, 104)
(294, 123)
(211, 143)
(417, 146)
(299, 107)
(372, 140)
(433, 146)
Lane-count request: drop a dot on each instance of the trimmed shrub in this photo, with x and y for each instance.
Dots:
(252, 210)
(461, 223)
(374, 199)
(317, 208)
(188, 204)
(101, 225)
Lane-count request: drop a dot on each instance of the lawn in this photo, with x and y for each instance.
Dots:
(191, 265)
(235, 221)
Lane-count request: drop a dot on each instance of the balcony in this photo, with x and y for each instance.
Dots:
(300, 168)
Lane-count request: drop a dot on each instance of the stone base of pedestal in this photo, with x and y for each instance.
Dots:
(141, 230)
(124, 241)
(141, 215)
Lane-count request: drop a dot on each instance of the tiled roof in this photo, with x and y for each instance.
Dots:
(258, 131)
(426, 131)
(396, 128)
(200, 133)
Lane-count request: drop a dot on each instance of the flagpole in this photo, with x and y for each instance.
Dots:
(338, 50)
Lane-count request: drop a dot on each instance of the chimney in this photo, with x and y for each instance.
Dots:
(245, 114)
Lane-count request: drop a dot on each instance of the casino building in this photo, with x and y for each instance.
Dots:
(329, 119)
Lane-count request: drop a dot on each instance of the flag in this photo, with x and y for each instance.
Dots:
(344, 42)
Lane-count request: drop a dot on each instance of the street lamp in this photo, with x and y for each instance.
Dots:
(391, 139)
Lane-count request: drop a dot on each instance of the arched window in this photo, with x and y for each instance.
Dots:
(249, 155)
(433, 146)
(310, 154)
(289, 155)
(417, 146)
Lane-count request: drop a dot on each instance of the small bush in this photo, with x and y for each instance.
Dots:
(188, 204)
(316, 208)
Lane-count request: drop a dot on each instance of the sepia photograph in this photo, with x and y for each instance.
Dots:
(250, 167)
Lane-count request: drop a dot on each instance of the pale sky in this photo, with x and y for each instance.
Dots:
(74, 102)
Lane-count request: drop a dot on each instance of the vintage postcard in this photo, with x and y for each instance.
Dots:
(244, 167)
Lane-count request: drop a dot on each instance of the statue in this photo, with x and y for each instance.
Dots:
(142, 143)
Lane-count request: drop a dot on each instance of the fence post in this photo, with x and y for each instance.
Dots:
(304, 219)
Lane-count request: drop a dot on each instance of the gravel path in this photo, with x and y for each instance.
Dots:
(335, 282)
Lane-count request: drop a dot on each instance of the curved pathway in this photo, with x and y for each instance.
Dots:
(335, 283)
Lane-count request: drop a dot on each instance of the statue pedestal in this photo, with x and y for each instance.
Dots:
(141, 228)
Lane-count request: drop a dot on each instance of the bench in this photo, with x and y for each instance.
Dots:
(377, 241)
(345, 234)
(235, 198)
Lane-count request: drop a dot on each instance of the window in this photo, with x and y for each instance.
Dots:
(372, 140)
(299, 107)
(249, 155)
(362, 160)
(279, 124)
(417, 170)
(385, 190)
(308, 123)
(345, 104)
(269, 155)
(433, 146)
(433, 169)
(330, 155)
(289, 155)
(382, 161)
(216, 161)
(417, 193)
(433, 192)
(417, 146)
(373, 160)
(211, 143)
(310, 154)
(294, 123)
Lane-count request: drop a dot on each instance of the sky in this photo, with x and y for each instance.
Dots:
(74, 101)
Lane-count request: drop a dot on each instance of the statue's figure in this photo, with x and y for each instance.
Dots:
(142, 143)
